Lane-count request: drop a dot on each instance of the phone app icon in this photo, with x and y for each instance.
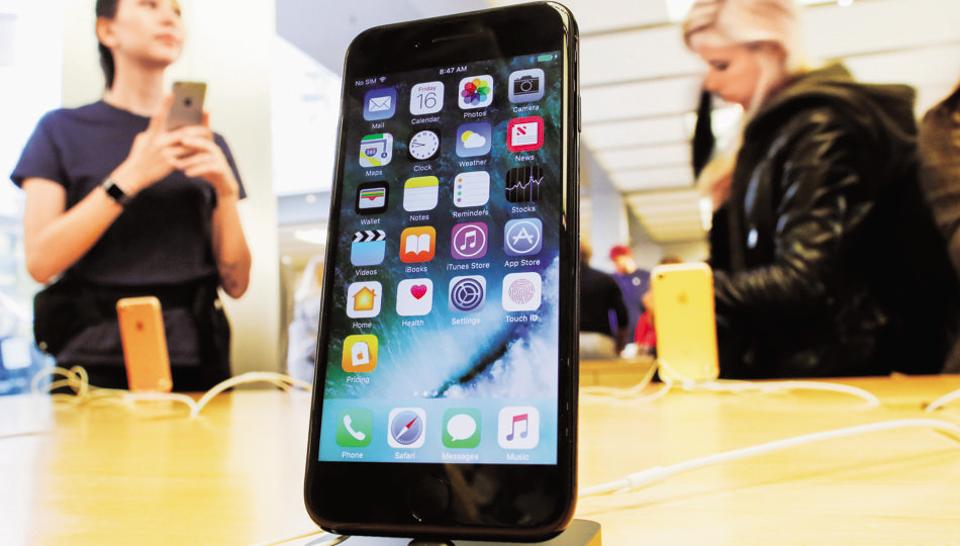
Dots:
(525, 134)
(355, 427)
(406, 428)
(376, 150)
(518, 427)
(426, 98)
(522, 292)
(468, 293)
(418, 244)
(473, 139)
(461, 428)
(526, 85)
(359, 353)
(524, 184)
(468, 241)
(475, 92)
(364, 299)
(372, 197)
(380, 104)
(414, 297)
(420, 193)
(424, 145)
(471, 189)
(523, 237)
(368, 247)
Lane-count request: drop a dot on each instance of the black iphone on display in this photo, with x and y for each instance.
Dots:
(445, 399)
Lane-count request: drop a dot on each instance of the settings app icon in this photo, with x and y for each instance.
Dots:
(467, 293)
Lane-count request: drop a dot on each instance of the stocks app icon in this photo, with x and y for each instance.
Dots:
(524, 184)
(467, 293)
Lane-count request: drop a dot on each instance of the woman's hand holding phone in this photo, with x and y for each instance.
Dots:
(206, 160)
(155, 153)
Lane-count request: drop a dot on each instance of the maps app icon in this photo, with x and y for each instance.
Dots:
(368, 247)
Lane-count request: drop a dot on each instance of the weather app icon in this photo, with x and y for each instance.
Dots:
(473, 139)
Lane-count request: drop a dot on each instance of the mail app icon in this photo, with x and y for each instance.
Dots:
(380, 103)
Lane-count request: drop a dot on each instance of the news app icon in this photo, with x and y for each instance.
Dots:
(525, 134)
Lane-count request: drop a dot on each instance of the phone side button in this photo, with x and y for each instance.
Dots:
(428, 499)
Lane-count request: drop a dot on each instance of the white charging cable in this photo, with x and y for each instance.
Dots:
(316, 534)
(626, 396)
(942, 401)
(77, 380)
(659, 473)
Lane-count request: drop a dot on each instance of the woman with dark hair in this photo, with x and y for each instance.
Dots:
(118, 206)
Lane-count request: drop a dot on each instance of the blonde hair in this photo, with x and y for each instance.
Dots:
(724, 23)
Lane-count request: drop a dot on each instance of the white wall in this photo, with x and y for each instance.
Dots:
(229, 47)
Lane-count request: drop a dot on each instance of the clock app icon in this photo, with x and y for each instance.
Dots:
(424, 145)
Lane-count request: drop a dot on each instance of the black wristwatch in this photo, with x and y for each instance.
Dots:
(116, 192)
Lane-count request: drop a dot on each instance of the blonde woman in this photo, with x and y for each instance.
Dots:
(827, 234)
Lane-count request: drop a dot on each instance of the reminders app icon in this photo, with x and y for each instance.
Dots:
(471, 189)
(380, 104)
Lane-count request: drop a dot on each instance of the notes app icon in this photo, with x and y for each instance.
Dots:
(518, 427)
(468, 241)
(420, 193)
(418, 244)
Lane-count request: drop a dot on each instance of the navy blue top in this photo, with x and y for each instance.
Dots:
(163, 236)
(633, 286)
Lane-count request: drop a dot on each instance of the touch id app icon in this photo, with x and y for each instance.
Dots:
(522, 292)
(359, 353)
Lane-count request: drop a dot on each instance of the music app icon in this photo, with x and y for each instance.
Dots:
(468, 241)
(518, 427)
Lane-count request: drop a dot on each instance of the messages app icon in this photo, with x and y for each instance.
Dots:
(461, 428)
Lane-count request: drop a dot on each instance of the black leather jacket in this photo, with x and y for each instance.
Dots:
(831, 258)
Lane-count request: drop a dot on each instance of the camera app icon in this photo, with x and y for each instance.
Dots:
(526, 85)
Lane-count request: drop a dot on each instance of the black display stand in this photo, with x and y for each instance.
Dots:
(580, 533)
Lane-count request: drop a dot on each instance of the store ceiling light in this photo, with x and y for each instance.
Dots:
(315, 236)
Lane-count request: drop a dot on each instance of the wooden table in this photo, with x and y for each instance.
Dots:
(104, 476)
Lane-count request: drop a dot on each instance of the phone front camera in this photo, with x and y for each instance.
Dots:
(187, 102)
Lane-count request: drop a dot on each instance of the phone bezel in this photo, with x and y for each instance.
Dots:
(431, 43)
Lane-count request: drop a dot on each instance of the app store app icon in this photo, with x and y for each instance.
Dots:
(523, 237)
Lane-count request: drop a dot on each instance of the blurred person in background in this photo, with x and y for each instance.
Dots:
(603, 316)
(632, 280)
(305, 326)
(940, 159)
(173, 233)
(832, 264)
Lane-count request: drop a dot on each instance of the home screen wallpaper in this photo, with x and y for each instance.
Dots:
(443, 321)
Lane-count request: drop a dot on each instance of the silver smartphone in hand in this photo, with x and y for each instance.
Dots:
(187, 108)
